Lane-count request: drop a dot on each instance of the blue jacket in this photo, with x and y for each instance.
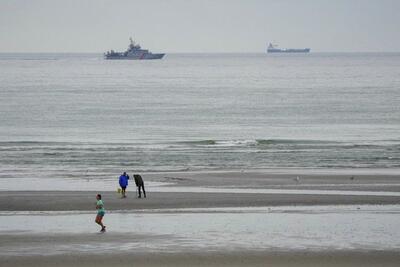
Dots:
(123, 180)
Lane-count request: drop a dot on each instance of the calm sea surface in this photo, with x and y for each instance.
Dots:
(62, 115)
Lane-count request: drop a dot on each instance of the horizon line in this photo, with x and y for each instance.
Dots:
(214, 52)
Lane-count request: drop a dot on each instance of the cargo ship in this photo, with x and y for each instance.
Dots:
(273, 49)
(134, 52)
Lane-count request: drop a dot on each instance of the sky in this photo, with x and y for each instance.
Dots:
(199, 26)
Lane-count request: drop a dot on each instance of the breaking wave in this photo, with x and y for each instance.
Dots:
(74, 159)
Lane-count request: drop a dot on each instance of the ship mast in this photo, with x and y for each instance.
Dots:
(132, 45)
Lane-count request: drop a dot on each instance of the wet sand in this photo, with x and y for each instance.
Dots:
(159, 197)
(60, 201)
(84, 201)
(242, 258)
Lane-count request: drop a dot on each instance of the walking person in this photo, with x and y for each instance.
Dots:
(123, 182)
(140, 184)
(100, 213)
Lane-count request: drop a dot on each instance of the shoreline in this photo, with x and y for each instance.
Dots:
(351, 180)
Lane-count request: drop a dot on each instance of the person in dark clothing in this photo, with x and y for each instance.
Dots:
(123, 182)
(140, 184)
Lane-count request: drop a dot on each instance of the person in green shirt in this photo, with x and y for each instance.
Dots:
(100, 213)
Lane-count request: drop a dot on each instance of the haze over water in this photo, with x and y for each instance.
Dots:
(66, 114)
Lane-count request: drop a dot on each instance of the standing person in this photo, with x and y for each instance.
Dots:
(123, 182)
(100, 213)
(140, 184)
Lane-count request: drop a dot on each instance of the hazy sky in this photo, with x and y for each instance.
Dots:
(199, 25)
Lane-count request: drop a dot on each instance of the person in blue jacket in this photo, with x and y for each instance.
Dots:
(123, 182)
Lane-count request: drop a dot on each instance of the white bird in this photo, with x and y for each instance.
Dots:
(297, 179)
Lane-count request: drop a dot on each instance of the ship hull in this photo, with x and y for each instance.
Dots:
(275, 50)
(135, 57)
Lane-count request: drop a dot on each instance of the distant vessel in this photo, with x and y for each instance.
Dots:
(134, 51)
(273, 49)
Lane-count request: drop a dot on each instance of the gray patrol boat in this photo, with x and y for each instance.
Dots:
(134, 51)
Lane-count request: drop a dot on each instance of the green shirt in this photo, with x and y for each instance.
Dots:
(100, 206)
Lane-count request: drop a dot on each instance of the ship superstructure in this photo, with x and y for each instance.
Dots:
(134, 51)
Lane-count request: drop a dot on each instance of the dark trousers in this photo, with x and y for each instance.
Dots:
(139, 189)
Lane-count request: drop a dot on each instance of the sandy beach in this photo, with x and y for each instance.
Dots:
(212, 189)
(215, 219)
(71, 201)
(243, 258)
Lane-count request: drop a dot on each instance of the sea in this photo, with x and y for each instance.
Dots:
(77, 115)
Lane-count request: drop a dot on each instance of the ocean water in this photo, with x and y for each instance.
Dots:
(65, 115)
